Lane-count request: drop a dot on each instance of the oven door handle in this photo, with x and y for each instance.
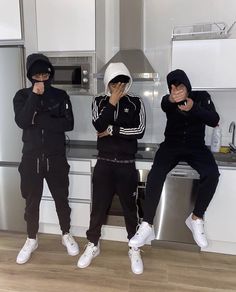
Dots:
(180, 174)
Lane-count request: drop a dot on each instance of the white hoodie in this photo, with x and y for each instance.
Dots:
(113, 70)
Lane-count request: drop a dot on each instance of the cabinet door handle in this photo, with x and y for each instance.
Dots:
(179, 174)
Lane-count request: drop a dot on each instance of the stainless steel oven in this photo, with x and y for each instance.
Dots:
(177, 202)
(73, 71)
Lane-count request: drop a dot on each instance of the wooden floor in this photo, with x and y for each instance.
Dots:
(51, 270)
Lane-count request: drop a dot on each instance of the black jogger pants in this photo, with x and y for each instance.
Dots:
(55, 170)
(110, 178)
(199, 158)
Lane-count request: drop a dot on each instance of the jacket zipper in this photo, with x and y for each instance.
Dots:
(42, 136)
(38, 165)
(116, 112)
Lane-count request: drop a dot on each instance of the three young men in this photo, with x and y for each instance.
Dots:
(44, 113)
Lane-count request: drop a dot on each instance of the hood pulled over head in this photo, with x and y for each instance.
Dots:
(117, 72)
(178, 77)
(38, 63)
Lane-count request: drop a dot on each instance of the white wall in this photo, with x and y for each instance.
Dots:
(160, 16)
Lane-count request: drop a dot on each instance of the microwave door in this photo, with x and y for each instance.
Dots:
(67, 75)
(76, 76)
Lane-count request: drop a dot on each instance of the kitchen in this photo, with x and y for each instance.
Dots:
(102, 44)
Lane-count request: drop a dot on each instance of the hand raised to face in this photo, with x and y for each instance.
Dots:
(178, 93)
(38, 88)
(117, 91)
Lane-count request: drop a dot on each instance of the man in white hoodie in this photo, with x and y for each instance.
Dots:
(119, 119)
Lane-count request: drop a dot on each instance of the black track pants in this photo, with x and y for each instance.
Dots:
(166, 158)
(111, 178)
(33, 171)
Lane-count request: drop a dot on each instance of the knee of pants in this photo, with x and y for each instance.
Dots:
(156, 176)
(211, 176)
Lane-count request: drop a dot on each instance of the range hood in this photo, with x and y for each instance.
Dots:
(131, 42)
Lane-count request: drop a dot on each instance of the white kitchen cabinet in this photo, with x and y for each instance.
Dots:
(80, 166)
(66, 25)
(79, 188)
(79, 200)
(79, 213)
(80, 181)
(10, 20)
(200, 58)
(220, 216)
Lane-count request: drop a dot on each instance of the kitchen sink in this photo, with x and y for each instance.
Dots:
(227, 158)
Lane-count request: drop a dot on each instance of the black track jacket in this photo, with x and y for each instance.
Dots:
(128, 121)
(43, 118)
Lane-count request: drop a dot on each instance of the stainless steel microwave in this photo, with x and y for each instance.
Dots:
(73, 72)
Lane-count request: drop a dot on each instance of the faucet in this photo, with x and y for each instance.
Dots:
(232, 129)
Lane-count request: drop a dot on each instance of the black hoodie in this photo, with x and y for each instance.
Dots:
(188, 127)
(44, 118)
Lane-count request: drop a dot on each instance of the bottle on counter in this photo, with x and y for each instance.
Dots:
(216, 139)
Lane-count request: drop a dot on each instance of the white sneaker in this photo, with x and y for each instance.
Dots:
(145, 233)
(25, 253)
(70, 244)
(136, 260)
(90, 252)
(197, 228)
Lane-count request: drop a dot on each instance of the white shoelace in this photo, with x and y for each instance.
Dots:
(27, 245)
(89, 249)
(200, 227)
(70, 239)
(135, 254)
(142, 229)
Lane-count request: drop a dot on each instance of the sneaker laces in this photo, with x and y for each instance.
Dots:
(200, 226)
(70, 239)
(136, 254)
(141, 229)
(89, 249)
(27, 245)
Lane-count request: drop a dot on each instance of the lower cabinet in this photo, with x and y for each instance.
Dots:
(79, 201)
(220, 216)
(80, 213)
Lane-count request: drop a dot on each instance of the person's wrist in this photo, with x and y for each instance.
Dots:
(110, 130)
(171, 99)
(113, 101)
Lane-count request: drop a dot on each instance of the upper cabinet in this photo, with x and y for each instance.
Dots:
(64, 25)
(210, 64)
(10, 20)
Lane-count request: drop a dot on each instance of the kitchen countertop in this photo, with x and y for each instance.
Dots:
(146, 153)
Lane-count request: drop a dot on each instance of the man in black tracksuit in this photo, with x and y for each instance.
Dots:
(188, 112)
(119, 119)
(44, 113)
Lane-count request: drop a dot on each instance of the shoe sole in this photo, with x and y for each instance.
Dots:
(95, 255)
(137, 273)
(187, 222)
(24, 262)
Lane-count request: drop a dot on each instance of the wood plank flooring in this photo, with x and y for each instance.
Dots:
(51, 270)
